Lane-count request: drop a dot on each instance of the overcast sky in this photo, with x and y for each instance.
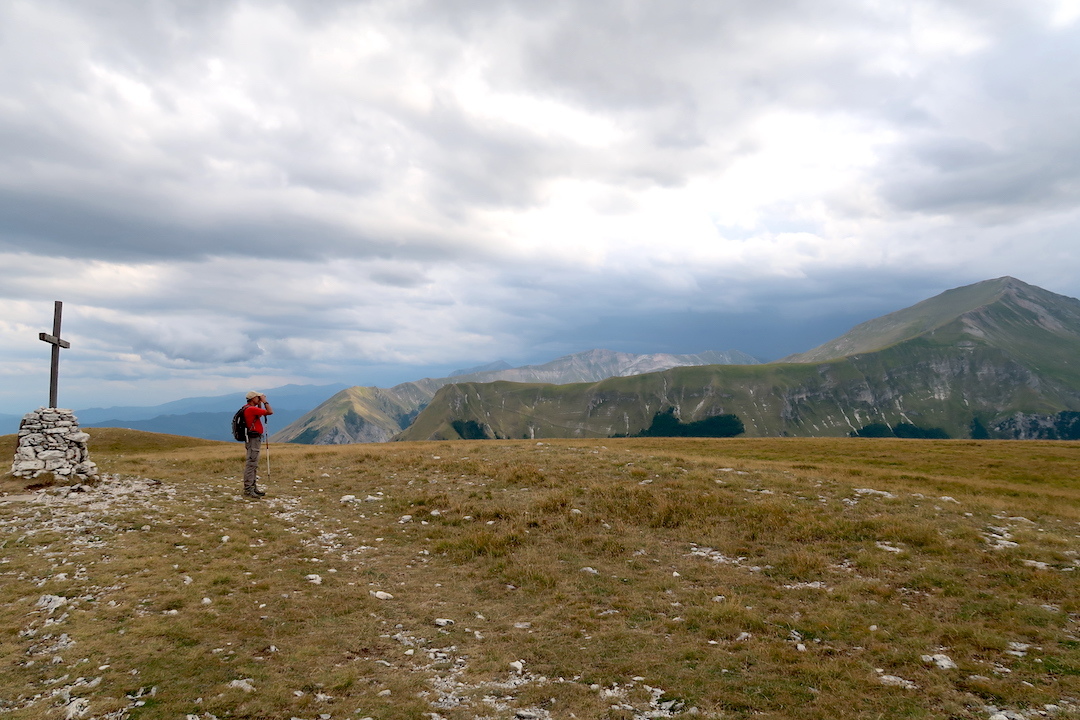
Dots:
(245, 194)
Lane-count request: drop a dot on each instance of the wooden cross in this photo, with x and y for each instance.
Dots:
(56, 343)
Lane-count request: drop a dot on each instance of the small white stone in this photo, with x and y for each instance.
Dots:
(518, 665)
(245, 684)
(896, 681)
(887, 547)
(347, 498)
(51, 602)
(381, 595)
(590, 570)
(1017, 649)
(443, 622)
(313, 579)
(384, 693)
(944, 662)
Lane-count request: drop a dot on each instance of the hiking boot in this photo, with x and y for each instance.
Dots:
(258, 492)
(252, 493)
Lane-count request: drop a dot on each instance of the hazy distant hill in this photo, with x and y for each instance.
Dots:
(369, 414)
(10, 423)
(1000, 355)
(207, 417)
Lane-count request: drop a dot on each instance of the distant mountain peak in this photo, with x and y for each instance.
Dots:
(490, 367)
(964, 305)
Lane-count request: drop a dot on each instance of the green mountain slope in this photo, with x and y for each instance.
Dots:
(370, 414)
(1004, 311)
(356, 414)
(993, 351)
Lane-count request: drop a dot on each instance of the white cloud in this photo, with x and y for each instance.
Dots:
(1064, 12)
(438, 183)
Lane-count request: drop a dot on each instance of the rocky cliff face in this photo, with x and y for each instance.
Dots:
(1021, 426)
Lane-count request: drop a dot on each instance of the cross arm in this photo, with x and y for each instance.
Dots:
(53, 340)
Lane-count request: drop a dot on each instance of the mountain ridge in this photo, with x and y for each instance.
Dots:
(378, 414)
(207, 417)
(287, 396)
(928, 317)
(987, 353)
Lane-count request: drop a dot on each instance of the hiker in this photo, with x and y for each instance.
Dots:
(256, 408)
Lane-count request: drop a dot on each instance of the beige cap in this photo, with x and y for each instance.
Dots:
(253, 394)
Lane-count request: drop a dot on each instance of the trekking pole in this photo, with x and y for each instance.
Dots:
(266, 440)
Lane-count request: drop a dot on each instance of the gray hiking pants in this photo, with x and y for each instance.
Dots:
(251, 465)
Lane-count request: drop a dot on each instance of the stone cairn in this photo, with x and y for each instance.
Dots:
(50, 442)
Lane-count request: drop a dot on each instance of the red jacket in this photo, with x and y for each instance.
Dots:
(252, 415)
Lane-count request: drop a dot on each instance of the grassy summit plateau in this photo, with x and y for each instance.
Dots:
(766, 578)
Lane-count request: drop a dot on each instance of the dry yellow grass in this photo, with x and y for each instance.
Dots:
(625, 578)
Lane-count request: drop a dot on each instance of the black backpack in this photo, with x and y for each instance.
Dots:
(239, 426)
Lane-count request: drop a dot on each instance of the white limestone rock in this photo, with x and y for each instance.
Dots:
(245, 684)
(943, 662)
(897, 681)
